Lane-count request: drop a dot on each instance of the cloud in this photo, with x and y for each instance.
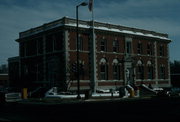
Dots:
(17, 16)
(156, 15)
(163, 9)
(154, 24)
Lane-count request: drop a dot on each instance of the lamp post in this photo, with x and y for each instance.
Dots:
(77, 43)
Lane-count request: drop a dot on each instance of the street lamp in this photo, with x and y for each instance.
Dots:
(77, 43)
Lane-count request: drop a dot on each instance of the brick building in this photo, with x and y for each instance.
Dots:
(124, 55)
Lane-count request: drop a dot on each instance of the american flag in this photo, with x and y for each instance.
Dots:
(90, 5)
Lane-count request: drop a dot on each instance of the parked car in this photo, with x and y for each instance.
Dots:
(174, 92)
(9, 95)
(162, 93)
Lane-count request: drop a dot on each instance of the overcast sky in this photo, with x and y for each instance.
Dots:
(156, 15)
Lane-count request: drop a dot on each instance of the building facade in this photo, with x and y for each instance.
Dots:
(124, 56)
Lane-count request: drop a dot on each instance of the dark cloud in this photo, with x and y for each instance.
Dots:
(20, 15)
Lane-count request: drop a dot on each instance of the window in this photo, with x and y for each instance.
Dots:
(150, 72)
(49, 43)
(140, 70)
(58, 41)
(149, 49)
(162, 72)
(139, 48)
(82, 71)
(116, 75)
(29, 50)
(53, 70)
(116, 70)
(103, 72)
(40, 46)
(103, 45)
(161, 50)
(128, 47)
(115, 46)
(103, 69)
(81, 44)
(39, 72)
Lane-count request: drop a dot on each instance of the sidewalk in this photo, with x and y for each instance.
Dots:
(53, 101)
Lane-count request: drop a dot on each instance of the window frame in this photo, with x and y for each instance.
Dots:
(116, 72)
(104, 73)
(115, 45)
(81, 44)
(103, 69)
(162, 72)
(103, 45)
(128, 47)
(139, 48)
(149, 49)
(161, 50)
(150, 72)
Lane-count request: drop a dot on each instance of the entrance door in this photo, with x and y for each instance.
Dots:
(129, 73)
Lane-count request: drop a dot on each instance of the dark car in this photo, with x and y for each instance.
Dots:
(162, 93)
(174, 92)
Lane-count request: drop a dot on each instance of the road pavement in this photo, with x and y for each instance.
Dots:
(151, 109)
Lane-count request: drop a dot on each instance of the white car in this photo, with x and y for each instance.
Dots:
(7, 95)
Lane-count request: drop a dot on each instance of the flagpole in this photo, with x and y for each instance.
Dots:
(93, 50)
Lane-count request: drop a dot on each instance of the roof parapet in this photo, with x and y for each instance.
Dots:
(65, 21)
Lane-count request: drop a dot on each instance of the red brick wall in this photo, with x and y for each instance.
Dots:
(163, 61)
(165, 48)
(110, 38)
(83, 55)
(110, 55)
(144, 42)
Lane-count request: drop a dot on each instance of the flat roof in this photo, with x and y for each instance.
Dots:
(65, 21)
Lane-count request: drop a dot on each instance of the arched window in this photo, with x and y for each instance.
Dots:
(140, 70)
(103, 69)
(116, 69)
(150, 70)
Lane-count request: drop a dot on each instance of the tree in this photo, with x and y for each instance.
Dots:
(175, 67)
(3, 68)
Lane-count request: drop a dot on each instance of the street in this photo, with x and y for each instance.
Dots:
(155, 109)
